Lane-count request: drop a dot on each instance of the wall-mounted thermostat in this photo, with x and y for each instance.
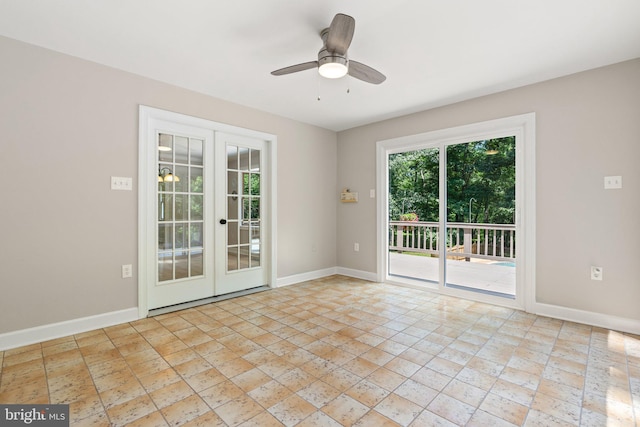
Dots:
(348, 196)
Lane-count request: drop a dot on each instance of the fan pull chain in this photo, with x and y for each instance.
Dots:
(348, 84)
(318, 85)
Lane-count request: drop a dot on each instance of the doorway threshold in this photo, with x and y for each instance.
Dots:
(203, 301)
(481, 291)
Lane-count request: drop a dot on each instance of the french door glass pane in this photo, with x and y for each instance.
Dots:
(414, 214)
(180, 207)
(243, 208)
(481, 216)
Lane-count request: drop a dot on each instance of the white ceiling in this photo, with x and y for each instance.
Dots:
(433, 52)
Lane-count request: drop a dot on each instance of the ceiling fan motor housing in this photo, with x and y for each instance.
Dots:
(326, 57)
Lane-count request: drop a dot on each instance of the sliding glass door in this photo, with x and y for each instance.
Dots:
(480, 226)
(453, 210)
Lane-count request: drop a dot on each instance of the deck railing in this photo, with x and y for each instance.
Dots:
(464, 240)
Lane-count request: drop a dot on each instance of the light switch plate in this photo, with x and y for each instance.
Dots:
(127, 271)
(612, 182)
(121, 183)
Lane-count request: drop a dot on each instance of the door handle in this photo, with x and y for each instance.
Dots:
(223, 221)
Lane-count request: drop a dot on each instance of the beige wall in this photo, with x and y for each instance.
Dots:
(66, 126)
(588, 126)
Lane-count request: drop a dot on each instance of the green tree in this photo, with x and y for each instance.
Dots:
(482, 172)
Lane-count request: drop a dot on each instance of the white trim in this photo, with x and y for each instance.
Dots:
(523, 126)
(145, 227)
(592, 318)
(319, 274)
(304, 277)
(68, 327)
(358, 274)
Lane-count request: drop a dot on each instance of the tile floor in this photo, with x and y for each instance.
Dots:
(335, 352)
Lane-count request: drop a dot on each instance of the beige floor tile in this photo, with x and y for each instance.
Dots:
(483, 419)
(251, 379)
(97, 420)
(154, 419)
(221, 393)
(238, 410)
(504, 408)
(263, 419)
(561, 391)
(429, 419)
(335, 352)
(367, 393)
(451, 409)
(377, 356)
(375, 418)
(185, 410)
(131, 410)
(402, 367)
(346, 410)
(318, 419)
(318, 367)
(159, 379)
(433, 379)
(270, 393)
(292, 410)
(128, 390)
(513, 392)
(386, 378)
(171, 394)
(318, 393)
(464, 392)
(360, 367)
(556, 408)
(341, 379)
(85, 407)
(398, 409)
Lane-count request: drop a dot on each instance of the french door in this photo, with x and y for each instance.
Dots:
(239, 236)
(454, 210)
(206, 202)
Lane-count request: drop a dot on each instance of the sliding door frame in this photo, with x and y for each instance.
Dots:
(523, 127)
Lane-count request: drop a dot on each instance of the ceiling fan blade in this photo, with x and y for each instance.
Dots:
(340, 33)
(365, 73)
(295, 68)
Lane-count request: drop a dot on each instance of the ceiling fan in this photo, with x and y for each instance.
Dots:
(332, 60)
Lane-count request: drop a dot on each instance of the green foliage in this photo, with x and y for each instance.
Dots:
(487, 181)
(411, 216)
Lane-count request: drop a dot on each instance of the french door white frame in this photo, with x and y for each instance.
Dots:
(523, 127)
(146, 210)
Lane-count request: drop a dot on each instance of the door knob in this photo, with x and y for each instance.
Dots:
(223, 221)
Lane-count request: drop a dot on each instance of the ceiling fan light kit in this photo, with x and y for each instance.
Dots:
(334, 70)
(332, 60)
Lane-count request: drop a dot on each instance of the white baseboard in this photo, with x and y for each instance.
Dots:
(69, 327)
(319, 274)
(303, 277)
(358, 274)
(606, 321)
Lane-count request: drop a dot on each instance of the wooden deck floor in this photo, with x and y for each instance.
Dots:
(488, 277)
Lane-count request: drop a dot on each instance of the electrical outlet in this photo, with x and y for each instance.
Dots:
(127, 271)
(612, 182)
(356, 247)
(596, 273)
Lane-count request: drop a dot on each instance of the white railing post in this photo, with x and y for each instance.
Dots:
(468, 248)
